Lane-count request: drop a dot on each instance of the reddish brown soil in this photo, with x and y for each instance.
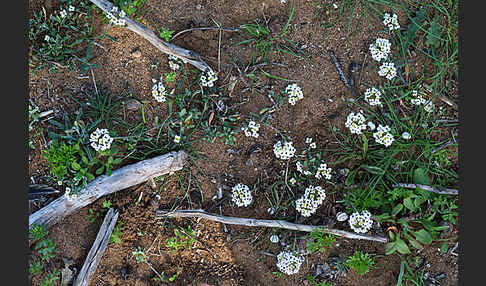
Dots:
(219, 257)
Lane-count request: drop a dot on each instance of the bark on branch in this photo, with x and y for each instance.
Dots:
(186, 56)
(96, 251)
(264, 223)
(120, 179)
(443, 191)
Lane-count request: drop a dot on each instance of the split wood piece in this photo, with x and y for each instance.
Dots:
(442, 191)
(186, 56)
(96, 251)
(120, 179)
(264, 223)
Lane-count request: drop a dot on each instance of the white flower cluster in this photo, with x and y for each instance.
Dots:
(323, 171)
(70, 196)
(241, 195)
(310, 201)
(388, 70)
(380, 49)
(208, 78)
(361, 223)
(417, 99)
(100, 139)
(252, 129)
(174, 63)
(294, 92)
(383, 135)
(158, 90)
(288, 262)
(116, 16)
(391, 21)
(355, 122)
(284, 151)
(300, 169)
(373, 96)
(313, 145)
(429, 106)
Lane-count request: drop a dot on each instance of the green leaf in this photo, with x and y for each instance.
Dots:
(85, 160)
(397, 209)
(423, 236)
(414, 27)
(402, 246)
(415, 243)
(117, 161)
(373, 169)
(420, 177)
(365, 144)
(350, 178)
(99, 171)
(90, 177)
(110, 160)
(409, 204)
(433, 33)
(444, 247)
(390, 248)
(75, 166)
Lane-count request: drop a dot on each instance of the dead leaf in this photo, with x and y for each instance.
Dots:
(407, 71)
(211, 117)
(395, 230)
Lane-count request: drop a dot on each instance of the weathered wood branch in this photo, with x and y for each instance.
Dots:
(264, 223)
(120, 179)
(186, 56)
(442, 191)
(96, 251)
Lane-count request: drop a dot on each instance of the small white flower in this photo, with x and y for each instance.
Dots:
(241, 195)
(71, 8)
(373, 96)
(158, 90)
(355, 122)
(380, 49)
(388, 70)
(306, 206)
(316, 194)
(417, 99)
(288, 262)
(208, 78)
(100, 139)
(406, 135)
(59, 183)
(429, 106)
(274, 238)
(284, 151)
(308, 140)
(63, 13)
(361, 223)
(292, 180)
(371, 125)
(391, 21)
(177, 139)
(271, 210)
(47, 38)
(174, 62)
(294, 92)
(323, 171)
(383, 135)
(282, 1)
(252, 129)
(313, 145)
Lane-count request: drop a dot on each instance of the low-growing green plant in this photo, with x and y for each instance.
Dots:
(117, 233)
(361, 262)
(51, 278)
(59, 38)
(170, 76)
(184, 238)
(60, 156)
(313, 281)
(166, 34)
(140, 255)
(45, 250)
(320, 241)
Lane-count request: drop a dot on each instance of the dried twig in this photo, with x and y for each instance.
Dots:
(186, 56)
(206, 28)
(120, 179)
(264, 223)
(341, 73)
(447, 144)
(444, 191)
(96, 251)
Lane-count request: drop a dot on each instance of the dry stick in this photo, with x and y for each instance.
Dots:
(264, 223)
(206, 28)
(96, 251)
(186, 56)
(120, 179)
(443, 191)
